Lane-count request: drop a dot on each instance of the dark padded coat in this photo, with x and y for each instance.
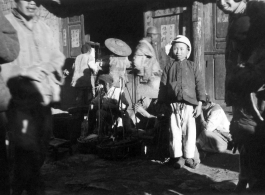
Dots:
(181, 81)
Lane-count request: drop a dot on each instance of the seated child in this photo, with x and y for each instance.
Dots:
(214, 124)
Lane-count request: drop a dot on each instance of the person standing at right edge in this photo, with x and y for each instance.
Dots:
(182, 87)
(245, 70)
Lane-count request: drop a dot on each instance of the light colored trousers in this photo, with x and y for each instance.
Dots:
(182, 138)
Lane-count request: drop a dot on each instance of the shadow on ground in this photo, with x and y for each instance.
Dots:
(226, 160)
(87, 174)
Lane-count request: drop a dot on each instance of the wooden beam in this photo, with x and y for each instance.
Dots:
(198, 34)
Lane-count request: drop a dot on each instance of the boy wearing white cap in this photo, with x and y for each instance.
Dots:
(182, 86)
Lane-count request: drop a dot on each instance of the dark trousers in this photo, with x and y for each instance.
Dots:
(4, 168)
(31, 128)
(27, 176)
(252, 162)
(248, 132)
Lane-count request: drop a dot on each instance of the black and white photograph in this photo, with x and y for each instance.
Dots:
(132, 97)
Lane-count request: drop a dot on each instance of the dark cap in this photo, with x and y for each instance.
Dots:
(85, 48)
(152, 30)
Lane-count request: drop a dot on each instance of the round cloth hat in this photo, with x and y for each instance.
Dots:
(179, 39)
(118, 47)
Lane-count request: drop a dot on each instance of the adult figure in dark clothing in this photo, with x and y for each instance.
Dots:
(245, 66)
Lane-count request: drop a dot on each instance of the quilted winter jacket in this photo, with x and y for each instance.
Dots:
(181, 81)
(37, 48)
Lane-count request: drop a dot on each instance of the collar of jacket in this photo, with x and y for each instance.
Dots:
(22, 19)
(173, 60)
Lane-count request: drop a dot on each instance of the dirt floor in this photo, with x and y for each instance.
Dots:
(88, 174)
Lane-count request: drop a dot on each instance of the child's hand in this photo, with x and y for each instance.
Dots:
(197, 111)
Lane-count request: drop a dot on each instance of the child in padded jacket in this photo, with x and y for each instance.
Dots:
(182, 86)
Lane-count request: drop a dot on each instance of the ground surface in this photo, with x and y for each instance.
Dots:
(88, 174)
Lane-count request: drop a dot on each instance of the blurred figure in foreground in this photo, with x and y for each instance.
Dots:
(34, 80)
(8, 52)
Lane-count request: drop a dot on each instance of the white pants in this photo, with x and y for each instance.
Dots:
(182, 131)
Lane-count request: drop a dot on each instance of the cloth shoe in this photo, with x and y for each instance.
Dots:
(189, 162)
(180, 163)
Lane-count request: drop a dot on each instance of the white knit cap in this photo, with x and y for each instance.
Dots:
(179, 39)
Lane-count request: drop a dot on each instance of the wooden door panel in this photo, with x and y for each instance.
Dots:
(221, 23)
(219, 77)
(209, 74)
(215, 28)
(73, 35)
(215, 77)
(208, 27)
(169, 22)
(65, 36)
(168, 27)
(73, 38)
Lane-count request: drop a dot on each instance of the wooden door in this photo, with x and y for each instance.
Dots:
(215, 29)
(73, 35)
(170, 22)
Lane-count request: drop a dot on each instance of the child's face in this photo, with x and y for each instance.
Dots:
(180, 51)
